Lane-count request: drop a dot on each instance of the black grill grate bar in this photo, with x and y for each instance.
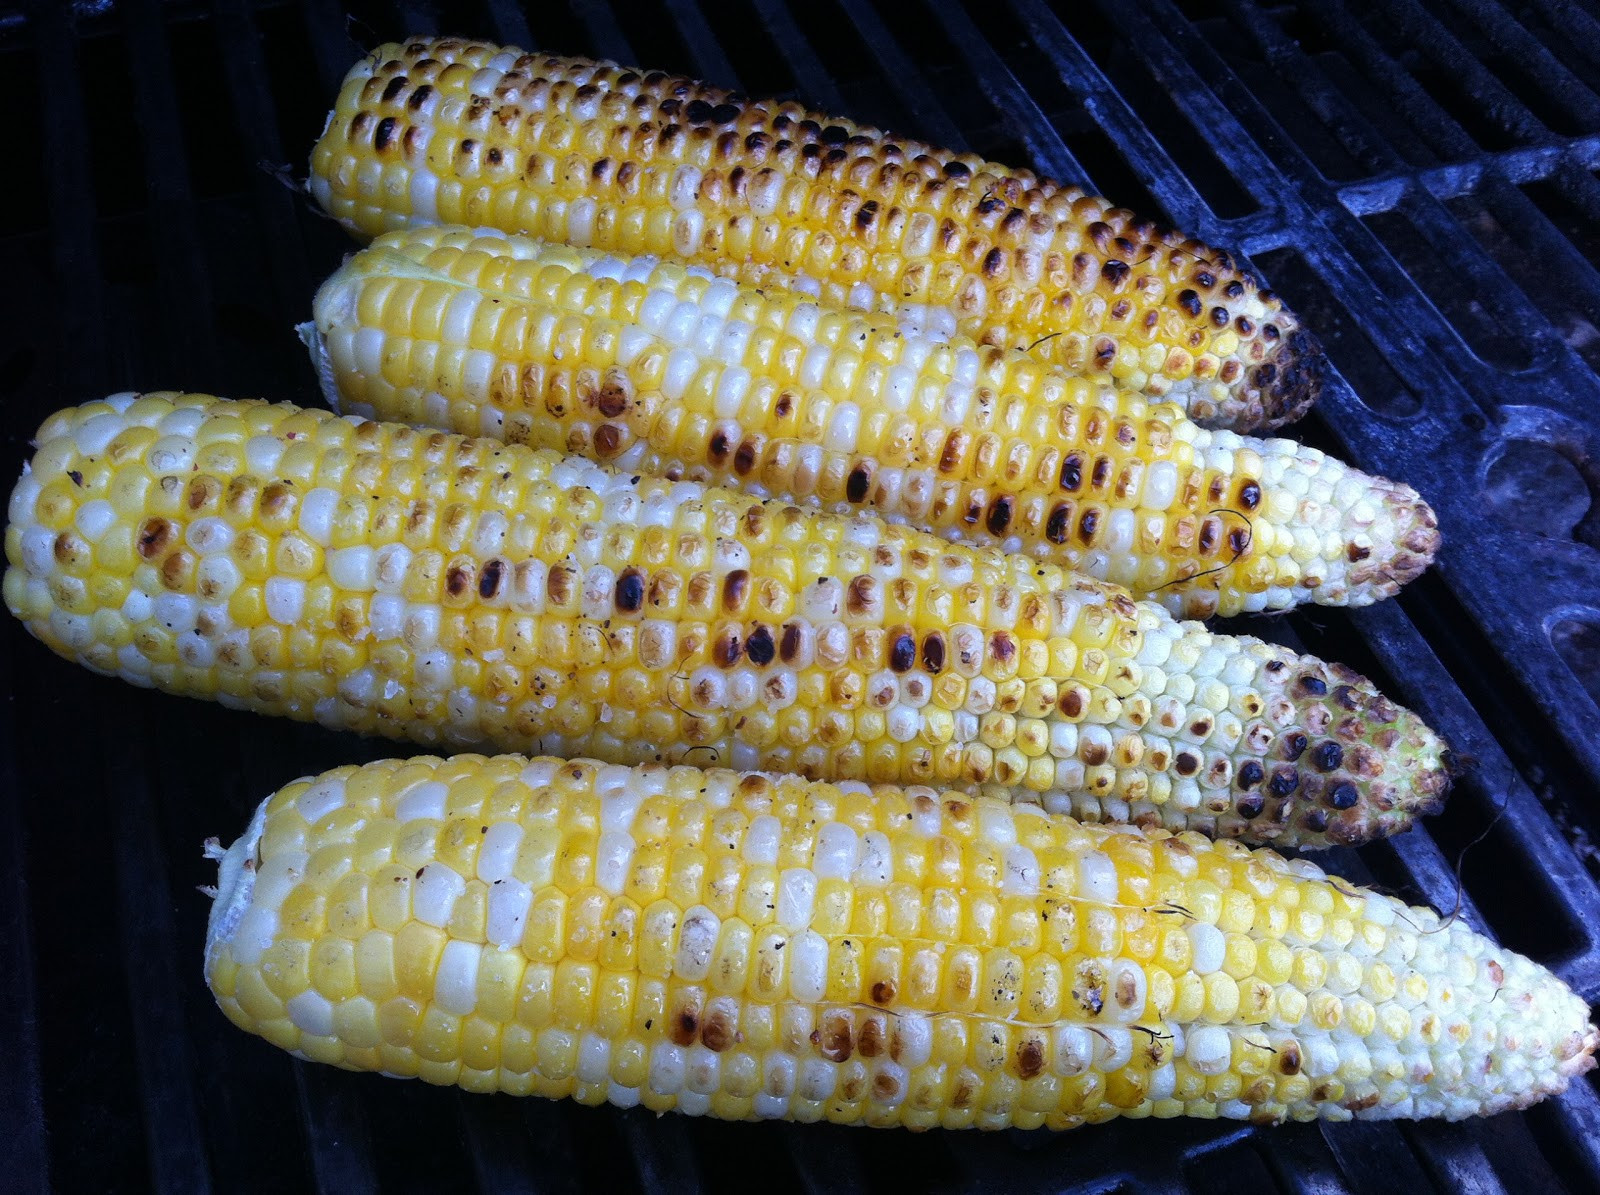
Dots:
(24, 1156)
(1582, 30)
(711, 61)
(510, 24)
(1533, 164)
(601, 25)
(1578, 1111)
(79, 308)
(1017, 108)
(338, 1141)
(181, 279)
(1106, 107)
(818, 89)
(906, 80)
(151, 953)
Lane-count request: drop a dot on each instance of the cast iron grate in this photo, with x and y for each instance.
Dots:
(1418, 178)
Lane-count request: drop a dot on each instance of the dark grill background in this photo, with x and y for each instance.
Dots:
(1416, 176)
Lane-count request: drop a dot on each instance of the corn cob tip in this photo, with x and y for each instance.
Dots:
(1283, 387)
(1413, 542)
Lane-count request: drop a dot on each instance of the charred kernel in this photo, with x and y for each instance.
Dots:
(745, 459)
(1249, 495)
(759, 646)
(1347, 697)
(697, 111)
(735, 589)
(956, 170)
(608, 439)
(855, 486)
(1246, 328)
(1209, 531)
(999, 515)
(1238, 541)
(491, 579)
(903, 652)
(458, 579)
(1250, 806)
(725, 114)
(630, 591)
(1234, 289)
(1114, 271)
(933, 652)
(1313, 686)
(1002, 647)
(1315, 820)
(1284, 781)
(994, 261)
(1270, 331)
(384, 133)
(719, 446)
(1250, 774)
(1186, 763)
(1205, 279)
(1071, 471)
(1343, 795)
(1294, 745)
(784, 406)
(1101, 473)
(1220, 316)
(789, 645)
(1059, 525)
(419, 97)
(396, 86)
(1189, 301)
(1088, 525)
(155, 537)
(1071, 703)
(1327, 755)
(726, 651)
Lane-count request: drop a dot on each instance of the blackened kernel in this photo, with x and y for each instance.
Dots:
(494, 156)
(933, 652)
(1249, 495)
(903, 652)
(1315, 820)
(744, 460)
(1246, 328)
(1347, 697)
(1114, 271)
(1186, 763)
(1250, 774)
(396, 86)
(719, 446)
(1238, 541)
(735, 589)
(956, 170)
(1294, 745)
(834, 134)
(1220, 316)
(759, 646)
(697, 110)
(724, 114)
(1251, 806)
(789, 645)
(1059, 524)
(384, 133)
(630, 591)
(1284, 781)
(489, 579)
(1071, 471)
(855, 486)
(1314, 686)
(1189, 301)
(1327, 755)
(999, 515)
(726, 651)
(1270, 331)
(1343, 795)
(420, 97)
(1101, 473)
(1206, 279)
(1088, 525)
(1234, 289)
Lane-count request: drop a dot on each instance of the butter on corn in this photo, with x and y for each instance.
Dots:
(421, 585)
(589, 153)
(659, 368)
(753, 947)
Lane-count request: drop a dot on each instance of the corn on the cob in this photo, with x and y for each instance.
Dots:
(750, 947)
(390, 581)
(663, 369)
(589, 153)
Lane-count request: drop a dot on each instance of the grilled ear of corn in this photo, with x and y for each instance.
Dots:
(589, 153)
(754, 947)
(447, 590)
(659, 368)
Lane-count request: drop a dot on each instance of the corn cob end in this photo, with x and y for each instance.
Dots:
(1286, 385)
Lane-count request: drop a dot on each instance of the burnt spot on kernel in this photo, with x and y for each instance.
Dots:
(735, 589)
(999, 515)
(155, 537)
(855, 486)
(789, 645)
(608, 439)
(458, 579)
(718, 446)
(884, 991)
(1251, 806)
(1250, 774)
(1249, 495)
(492, 579)
(725, 652)
(384, 133)
(903, 652)
(1294, 745)
(1343, 795)
(396, 86)
(1315, 820)
(419, 97)
(1002, 647)
(1071, 471)
(1059, 525)
(1101, 473)
(1114, 271)
(1209, 530)
(933, 652)
(1284, 781)
(1186, 763)
(1030, 1058)
(784, 406)
(1327, 755)
(1189, 301)
(956, 170)
(1289, 1058)
(685, 1026)
(612, 400)
(745, 459)
(630, 591)
(1313, 686)
(1088, 524)
(759, 646)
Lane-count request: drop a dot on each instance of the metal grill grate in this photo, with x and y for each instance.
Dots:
(1416, 176)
